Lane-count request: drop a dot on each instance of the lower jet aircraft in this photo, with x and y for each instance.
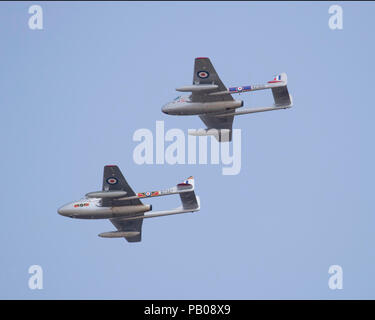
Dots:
(214, 104)
(123, 207)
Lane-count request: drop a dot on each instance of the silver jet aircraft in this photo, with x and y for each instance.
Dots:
(214, 104)
(123, 207)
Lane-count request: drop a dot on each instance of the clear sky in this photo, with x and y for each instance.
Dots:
(73, 94)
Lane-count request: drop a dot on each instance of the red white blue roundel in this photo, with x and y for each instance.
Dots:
(148, 194)
(203, 74)
(239, 88)
(111, 180)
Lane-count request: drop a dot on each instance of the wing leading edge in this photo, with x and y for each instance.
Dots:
(113, 179)
(205, 73)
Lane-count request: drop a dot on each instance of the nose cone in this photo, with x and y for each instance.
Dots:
(62, 211)
(65, 210)
(165, 108)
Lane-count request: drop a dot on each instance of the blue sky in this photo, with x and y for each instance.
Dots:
(74, 93)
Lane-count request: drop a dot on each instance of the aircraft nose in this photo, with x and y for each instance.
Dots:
(165, 108)
(64, 211)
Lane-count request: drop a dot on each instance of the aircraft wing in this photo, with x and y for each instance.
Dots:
(205, 73)
(114, 180)
(132, 228)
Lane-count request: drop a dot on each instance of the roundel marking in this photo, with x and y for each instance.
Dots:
(203, 74)
(148, 194)
(239, 88)
(111, 180)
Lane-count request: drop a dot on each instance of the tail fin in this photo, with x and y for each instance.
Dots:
(189, 181)
(188, 199)
(280, 92)
(280, 78)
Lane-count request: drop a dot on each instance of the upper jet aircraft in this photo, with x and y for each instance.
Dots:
(214, 104)
(123, 207)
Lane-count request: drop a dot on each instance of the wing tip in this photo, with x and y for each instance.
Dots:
(201, 58)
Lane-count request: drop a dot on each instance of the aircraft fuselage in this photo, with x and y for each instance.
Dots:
(92, 209)
(184, 106)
